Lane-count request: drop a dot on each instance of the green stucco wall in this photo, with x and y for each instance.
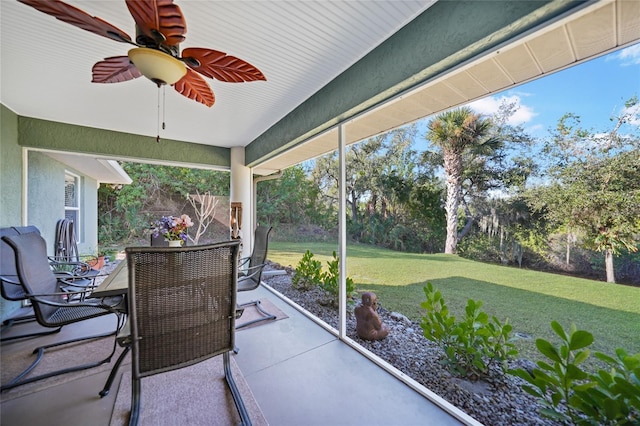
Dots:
(10, 184)
(89, 233)
(43, 134)
(46, 202)
(11, 169)
(45, 194)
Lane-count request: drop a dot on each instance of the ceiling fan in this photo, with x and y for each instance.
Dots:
(160, 28)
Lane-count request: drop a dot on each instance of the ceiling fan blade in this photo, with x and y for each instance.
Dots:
(74, 16)
(195, 87)
(219, 65)
(160, 21)
(115, 69)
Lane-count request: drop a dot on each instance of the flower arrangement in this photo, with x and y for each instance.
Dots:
(172, 228)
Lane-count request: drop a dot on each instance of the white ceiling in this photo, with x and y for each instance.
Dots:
(299, 46)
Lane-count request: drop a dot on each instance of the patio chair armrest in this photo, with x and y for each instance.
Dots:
(69, 282)
(8, 280)
(63, 274)
(69, 276)
(59, 264)
(39, 298)
(250, 272)
(11, 288)
(62, 292)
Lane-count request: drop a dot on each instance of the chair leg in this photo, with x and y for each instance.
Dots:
(7, 324)
(237, 398)
(40, 351)
(107, 386)
(17, 320)
(266, 315)
(134, 417)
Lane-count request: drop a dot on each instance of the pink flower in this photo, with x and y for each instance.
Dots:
(186, 220)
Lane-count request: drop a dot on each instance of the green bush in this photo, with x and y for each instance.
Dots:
(472, 345)
(571, 395)
(330, 279)
(308, 273)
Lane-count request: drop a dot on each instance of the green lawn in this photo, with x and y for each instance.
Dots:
(529, 299)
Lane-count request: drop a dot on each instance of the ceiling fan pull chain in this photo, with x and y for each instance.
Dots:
(164, 104)
(158, 118)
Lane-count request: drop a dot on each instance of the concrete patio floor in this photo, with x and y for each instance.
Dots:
(299, 373)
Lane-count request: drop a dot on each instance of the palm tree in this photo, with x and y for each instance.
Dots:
(456, 132)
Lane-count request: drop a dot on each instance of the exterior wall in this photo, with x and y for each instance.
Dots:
(46, 202)
(10, 169)
(43, 134)
(89, 234)
(241, 184)
(45, 195)
(10, 183)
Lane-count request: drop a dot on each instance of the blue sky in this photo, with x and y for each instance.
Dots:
(594, 90)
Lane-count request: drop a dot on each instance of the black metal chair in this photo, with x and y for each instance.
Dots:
(73, 277)
(10, 288)
(182, 305)
(67, 260)
(250, 276)
(41, 288)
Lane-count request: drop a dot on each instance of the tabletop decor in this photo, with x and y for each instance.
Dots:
(173, 229)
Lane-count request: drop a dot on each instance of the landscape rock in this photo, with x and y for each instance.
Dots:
(399, 317)
(498, 401)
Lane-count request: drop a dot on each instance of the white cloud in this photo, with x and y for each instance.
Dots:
(535, 128)
(629, 55)
(490, 105)
(633, 113)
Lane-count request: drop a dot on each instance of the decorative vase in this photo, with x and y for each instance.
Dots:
(97, 264)
(175, 243)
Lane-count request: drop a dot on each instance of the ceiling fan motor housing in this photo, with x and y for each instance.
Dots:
(157, 66)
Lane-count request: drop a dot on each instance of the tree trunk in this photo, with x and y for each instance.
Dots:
(466, 229)
(568, 255)
(354, 207)
(608, 262)
(468, 225)
(453, 172)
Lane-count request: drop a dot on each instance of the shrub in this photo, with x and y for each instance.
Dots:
(330, 279)
(308, 273)
(571, 395)
(471, 346)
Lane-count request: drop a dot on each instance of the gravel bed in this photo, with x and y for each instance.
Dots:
(498, 400)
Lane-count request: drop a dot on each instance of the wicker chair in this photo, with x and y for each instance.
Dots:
(50, 305)
(182, 304)
(250, 277)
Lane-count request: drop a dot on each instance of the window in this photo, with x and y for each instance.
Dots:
(72, 199)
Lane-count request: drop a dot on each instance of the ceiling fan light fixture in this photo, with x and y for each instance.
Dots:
(157, 66)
